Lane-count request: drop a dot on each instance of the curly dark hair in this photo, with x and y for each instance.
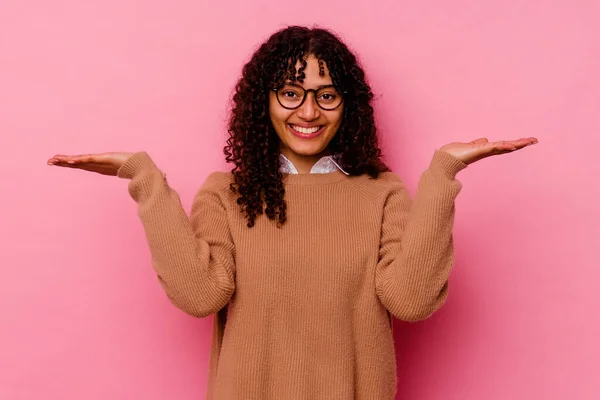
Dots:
(253, 145)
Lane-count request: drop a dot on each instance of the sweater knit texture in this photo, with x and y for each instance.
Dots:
(303, 311)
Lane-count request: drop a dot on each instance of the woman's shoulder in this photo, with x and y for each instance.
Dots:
(386, 183)
(217, 179)
(217, 183)
(387, 179)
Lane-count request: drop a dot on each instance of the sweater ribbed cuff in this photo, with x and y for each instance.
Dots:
(135, 164)
(447, 164)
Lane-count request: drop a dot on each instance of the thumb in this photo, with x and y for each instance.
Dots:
(480, 141)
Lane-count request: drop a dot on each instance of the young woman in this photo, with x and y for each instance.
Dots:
(308, 247)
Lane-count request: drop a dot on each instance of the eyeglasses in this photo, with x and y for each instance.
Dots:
(292, 96)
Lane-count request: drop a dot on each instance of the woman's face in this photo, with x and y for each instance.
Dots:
(306, 132)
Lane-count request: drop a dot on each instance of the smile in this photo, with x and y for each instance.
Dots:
(306, 132)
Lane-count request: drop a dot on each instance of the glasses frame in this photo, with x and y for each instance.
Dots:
(306, 92)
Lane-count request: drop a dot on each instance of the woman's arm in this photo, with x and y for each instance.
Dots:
(416, 253)
(192, 256)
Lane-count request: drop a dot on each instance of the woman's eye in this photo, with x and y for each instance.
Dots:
(328, 96)
(289, 94)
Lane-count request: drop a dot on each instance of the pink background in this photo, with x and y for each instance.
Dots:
(82, 314)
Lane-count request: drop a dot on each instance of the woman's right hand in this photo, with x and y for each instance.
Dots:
(105, 163)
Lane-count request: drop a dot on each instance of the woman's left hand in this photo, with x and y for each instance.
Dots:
(482, 148)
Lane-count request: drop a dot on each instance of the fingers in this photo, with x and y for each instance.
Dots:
(523, 142)
(518, 142)
(99, 168)
(73, 159)
(506, 146)
(81, 159)
(56, 158)
(60, 158)
(526, 141)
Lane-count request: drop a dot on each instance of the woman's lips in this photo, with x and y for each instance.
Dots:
(303, 135)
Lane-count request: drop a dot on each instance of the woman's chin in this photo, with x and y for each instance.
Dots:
(303, 147)
(306, 149)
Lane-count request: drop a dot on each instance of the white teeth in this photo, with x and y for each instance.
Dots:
(306, 130)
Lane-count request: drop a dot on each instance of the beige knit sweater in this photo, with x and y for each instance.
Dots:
(303, 311)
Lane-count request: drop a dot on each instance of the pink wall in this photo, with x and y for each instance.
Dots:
(82, 315)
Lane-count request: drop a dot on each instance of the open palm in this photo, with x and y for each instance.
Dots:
(105, 163)
(482, 148)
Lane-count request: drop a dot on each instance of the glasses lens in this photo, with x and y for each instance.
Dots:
(290, 96)
(328, 98)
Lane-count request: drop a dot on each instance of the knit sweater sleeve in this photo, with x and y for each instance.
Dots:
(416, 251)
(193, 256)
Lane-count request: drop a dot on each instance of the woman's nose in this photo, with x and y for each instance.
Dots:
(309, 109)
